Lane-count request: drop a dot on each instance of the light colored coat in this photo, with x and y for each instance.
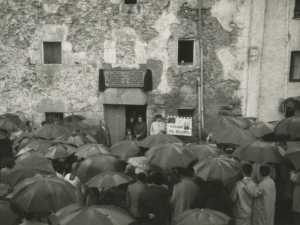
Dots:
(132, 197)
(157, 128)
(183, 195)
(264, 195)
(296, 198)
(243, 202)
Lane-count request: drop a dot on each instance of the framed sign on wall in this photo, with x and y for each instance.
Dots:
(181, 126)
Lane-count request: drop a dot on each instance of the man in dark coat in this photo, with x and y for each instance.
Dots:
(152, 203)
(103, 135)
(140, 129)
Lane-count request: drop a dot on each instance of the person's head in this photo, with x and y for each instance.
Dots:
(140, 119)
(183, 172)
(43, 123)
(141, 177)
(9, 163)
(109, 198)
(158, 118)
(102, 123)
(74, 168)
(128, 131)
(131, 119)
(29, 216)
(129, 169)
(150, 179)
(247, 170)
(264, 171)
(159, 179)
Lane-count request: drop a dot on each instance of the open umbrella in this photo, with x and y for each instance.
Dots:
(75, 138)
(289, 126)
(43, 194)
(89, 150)
(205, 151)
(225, 122)
(125, 149)
(57, 151)
(28, 167)
(51, 131)
(92, 215)
(15, 118)
(202, 216)
(108, 180)
(72, 119)
(259, 152)
(293, 102)
(39, 145)
(92, 166)
(293, 153)
(167, 156)
(39, 154)
(261, 129)
(7, 124)
(233, 135)
(154, 140)
(221, 168)
(142, 163)
(7, 216)
(25, 141)
(4, 189)
(3, 134)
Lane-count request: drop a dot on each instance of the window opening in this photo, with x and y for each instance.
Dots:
(186, 112)
(295, 67)
(54, 118)
(297, 9)
(185, 52)
(52, 52)
(130, 1)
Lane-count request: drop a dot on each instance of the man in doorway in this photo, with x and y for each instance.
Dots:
(103, 135)
(158, 127)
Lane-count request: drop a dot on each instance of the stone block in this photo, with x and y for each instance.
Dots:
(66, 46)
(50, 8)
(225, 112)
(237, 111)
(159, 100)
(227, 107)
(188, 89)
(51, 105)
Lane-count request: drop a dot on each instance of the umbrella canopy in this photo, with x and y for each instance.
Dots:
(202, 216)
(142, 163)
(39, 145)
(4, 189)
(225, 122)
(43, 194)
(221, 168)
(7, 124)
(205, 151)
(51, 131)
(261, 129)
(259, 152)
(108, 180)
(92, 215)
(293, 102)
(167, 156)
(15, 118)
(75, 138)
(233, 135)
(3, 134)
(29, 154)
(28, 167)
(289, 126)
(7, 216)
(89, 150)
(293, 153)
(125, 149)
(154, 140)
(25, 141)
(57, 151)
(72, 119)
(92, 166)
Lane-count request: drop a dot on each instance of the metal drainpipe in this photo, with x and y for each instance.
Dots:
(200, 77)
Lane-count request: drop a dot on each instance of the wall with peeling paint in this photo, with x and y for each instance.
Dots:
(239, 50)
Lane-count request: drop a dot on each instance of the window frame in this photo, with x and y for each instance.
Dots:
(291, 79)
(61, 58)
(192, 112)
(297, 10)
(136, 1)
(186, 63)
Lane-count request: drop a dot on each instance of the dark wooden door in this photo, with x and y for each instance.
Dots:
(115, 119)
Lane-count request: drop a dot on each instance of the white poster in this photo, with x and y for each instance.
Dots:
(181, 126)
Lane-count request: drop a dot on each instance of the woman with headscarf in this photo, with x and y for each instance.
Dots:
(73, 179)
(140, 129)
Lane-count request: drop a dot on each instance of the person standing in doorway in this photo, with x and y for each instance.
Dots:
(130, 125)
(103, 135)
(158, 127)
(140, 129)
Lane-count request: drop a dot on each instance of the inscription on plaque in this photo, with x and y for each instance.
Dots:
(124, 78)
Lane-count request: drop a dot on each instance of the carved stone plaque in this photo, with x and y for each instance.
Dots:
(124, 78)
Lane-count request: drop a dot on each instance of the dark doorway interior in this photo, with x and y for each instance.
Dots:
(131, 110)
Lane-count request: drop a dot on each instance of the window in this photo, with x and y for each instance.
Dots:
(54, 117)
(297, 9)
(186, 112)
(52, 52)
(130, 1)
(185, 52)
(295, 67)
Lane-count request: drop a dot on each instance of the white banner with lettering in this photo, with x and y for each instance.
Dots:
(181, 126)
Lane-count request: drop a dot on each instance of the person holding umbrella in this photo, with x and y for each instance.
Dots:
(29, 219)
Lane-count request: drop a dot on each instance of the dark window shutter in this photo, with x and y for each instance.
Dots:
(48, 53)
(297, 9)
(57, 52)
(295, 66)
